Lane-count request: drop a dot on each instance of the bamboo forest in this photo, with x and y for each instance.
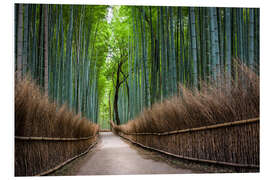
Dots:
(172, 79)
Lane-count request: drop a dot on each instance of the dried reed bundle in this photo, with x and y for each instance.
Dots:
(213, 104)
(36, 116)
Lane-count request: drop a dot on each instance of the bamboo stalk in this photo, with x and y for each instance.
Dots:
(235, 123)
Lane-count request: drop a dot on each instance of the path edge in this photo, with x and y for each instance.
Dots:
(67, 161)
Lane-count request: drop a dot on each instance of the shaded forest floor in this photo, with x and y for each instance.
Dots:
(115, 156)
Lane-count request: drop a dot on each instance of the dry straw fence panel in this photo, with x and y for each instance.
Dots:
(43, 155)
(235, 143)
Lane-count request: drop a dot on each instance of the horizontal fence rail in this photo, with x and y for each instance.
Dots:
(235, 123)
(233, 144)
(66, 162)
(32, 161)
(191, 158)
(51, 138)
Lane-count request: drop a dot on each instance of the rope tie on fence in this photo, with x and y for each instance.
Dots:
(227, 124)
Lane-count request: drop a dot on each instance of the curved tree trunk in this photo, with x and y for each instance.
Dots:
(117, 86)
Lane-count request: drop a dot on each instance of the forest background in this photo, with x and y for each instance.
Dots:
(7, 93)
(111, 62)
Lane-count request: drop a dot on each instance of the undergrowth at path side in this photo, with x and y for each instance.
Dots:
(224, 101)
(35, 115)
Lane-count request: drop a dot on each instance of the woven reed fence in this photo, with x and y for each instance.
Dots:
(234, 144)
(36, 156)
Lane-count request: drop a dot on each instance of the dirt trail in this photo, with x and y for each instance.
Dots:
(113, 156)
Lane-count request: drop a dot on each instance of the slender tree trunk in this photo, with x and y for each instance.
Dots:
(117, 86)
(208, 45)
(45, 49)
(61, 67)
(39, 65)
(257, 38)
(16, 15)
(214, 44)
(228, 42)
(168, 54)
(110, 109)
(182, 48)
(240, 37)
(163, 56)
(173, 60)
(145, 63)
(251, 38)
(19, 41)
(25, 39)
(34, 42)
(221, 38)
(153, 61)
(194, 47)
(56, 72)
(69, 87)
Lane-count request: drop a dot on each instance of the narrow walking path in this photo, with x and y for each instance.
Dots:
(114, 156)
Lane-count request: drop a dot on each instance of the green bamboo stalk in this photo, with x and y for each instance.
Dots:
(46, 48)
(182, 48)
(221, 37)
(251, 38)
(20, 41)
(215, 55)
(173, 59)
(25, 39)
(69, 59)
(194, 47)
(145, 63)
(228, 42)
(163, 56)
